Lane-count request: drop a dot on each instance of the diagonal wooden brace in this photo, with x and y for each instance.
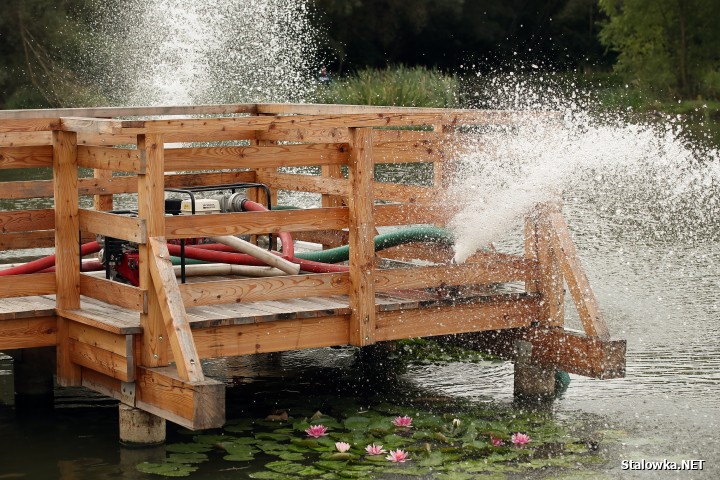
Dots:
(173, 312)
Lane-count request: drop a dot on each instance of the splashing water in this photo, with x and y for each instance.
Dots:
(610, 162)
(181, 52)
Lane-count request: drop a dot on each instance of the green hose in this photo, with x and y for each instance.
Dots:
(383, 241)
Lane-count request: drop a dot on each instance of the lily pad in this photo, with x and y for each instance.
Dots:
(356, 423)
(284, 466)
(191, 457)
(278, 437)
(292, 456)
(166, 469)
(188, 448)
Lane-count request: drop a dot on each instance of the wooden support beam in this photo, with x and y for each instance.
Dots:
(67, 247)
(578, 283)
(113, 225)
(362, 233)
(550, 282)
(151, 208)
(103, 202)
(173, 312)
(576, 353)
(102, 351)
(109, 158)
(28, 332)
(195, 405)
(27, 220)
(25, 139)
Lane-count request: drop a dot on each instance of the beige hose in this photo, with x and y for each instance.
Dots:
(227, 269)
(259, 253)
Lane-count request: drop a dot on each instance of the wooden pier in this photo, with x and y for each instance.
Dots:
(144, 344)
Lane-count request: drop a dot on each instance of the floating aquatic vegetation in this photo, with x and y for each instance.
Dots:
(367, 443)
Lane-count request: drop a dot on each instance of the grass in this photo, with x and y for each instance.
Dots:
(393, 86)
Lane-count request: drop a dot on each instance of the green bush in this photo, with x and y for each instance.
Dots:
(394, 86)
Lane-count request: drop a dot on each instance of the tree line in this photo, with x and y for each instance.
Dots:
(668, 47)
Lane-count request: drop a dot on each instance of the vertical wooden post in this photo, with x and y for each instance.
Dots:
(443, 171)
(550, 283)
(151, 207)
(102, 202)
(362, 229)
(67, 247)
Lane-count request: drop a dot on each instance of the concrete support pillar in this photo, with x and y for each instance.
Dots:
(532, 382)
(140, 428)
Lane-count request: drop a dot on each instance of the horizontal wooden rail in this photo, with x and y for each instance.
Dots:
(114, 293)
(115, 185)
(413, 213)
(108, 158)
(130, 111)
(108, 353)
(16, 124)
(271, 156)
(22, 240)
(27, 285)
(26, 156)
(112, 225)
(29, 332)
(26, 220)
(256, 222)
(25, 139)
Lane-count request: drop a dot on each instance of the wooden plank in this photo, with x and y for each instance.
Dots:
(194, 405)
(32, 239)
(103, 384)
(468, 274)
(268, 288)
(109, 341)
(305, 135)
(28, 332)
(15, 124)
(494, 314)
(409, 214)
(26, 307)
(304, 183)
(67, 262)
(576, 353)
(27, 285)
(151, 198)
(95, 125)
(113, 225)
(173, 311)
(327, 238)
(578, 283)
(272, 336)
(410, 252)
(550, 282)
(113, 185)
(26, 157)
(101, 320)
(102, 202)
(114, 293)
(109, 158)
(403, 193)
(362, 233)
(256, 222)
(129, 111)
(25, 139)
(432, 116)
(25, 220)
(103, 361)
(270, 156)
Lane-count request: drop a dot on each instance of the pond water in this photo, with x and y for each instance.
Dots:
(659, 294)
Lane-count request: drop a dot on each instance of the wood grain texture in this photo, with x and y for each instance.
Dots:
(28, 332)
(174, 316)
(114, 293)
(108, 158)
(13, 286)
(26, 156)
(113, 225)
(361, 230)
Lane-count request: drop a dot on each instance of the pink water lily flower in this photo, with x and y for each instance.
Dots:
(496, 442)
(520, 438)
(316, 431)
(405, 422)
(375, 449)
(397, 456)
(342, 447)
